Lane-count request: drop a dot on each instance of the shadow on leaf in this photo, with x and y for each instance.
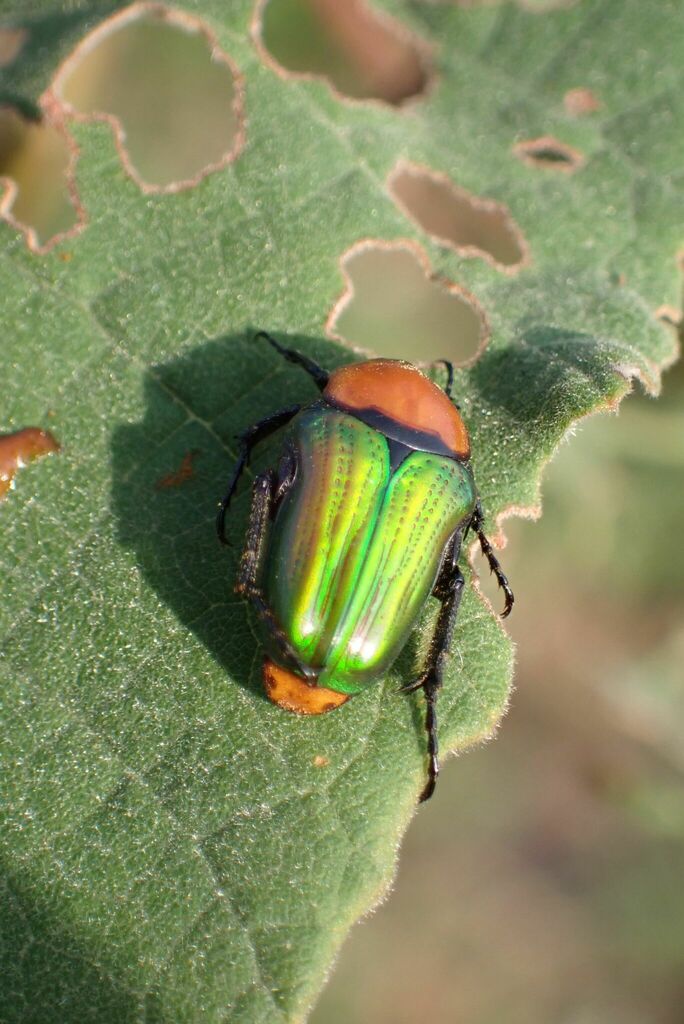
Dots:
(171, 469)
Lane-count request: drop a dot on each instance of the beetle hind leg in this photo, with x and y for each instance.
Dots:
(449, 589)
(249, 572)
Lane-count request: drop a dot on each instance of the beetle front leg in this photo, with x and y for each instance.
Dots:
(246, 441)
(449, 590)
(249, 572)
(476, 524)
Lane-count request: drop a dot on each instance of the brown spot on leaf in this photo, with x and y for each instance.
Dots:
(393, 305)
(290, 691)
(37, 194)
(178, 477)
(363, 54)
(578, 102)
(320, 761)
(11, 44)
(19, 448)
(550, 154)
(172, 97)
(470, 224)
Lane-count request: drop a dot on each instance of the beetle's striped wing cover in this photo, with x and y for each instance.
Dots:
(356, 549)
(324, 526)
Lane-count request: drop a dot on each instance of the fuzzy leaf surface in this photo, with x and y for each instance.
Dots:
(173, 847)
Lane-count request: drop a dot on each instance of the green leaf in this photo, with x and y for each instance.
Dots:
(174, 848)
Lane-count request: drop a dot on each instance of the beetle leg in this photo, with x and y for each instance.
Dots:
(293, 356)
(246, 441)
(448, 574)
(432, 678)
(449, 367)
(448, 589)
(249, 572)
(433, 747)
(476, 524)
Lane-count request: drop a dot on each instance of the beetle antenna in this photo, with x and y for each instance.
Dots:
(293, 356)
(449, 367)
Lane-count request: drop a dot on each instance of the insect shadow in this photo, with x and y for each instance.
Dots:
(171, 468)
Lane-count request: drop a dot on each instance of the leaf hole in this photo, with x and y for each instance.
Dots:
(35, 161)
(363, 54)
(470, 224)
(18, 449)
(172, 97)
(550, 154)
(394, 306)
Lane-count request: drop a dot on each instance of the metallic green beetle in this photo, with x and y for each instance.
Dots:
(362, 520)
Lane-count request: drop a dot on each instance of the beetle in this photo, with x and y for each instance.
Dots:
(362, 519)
